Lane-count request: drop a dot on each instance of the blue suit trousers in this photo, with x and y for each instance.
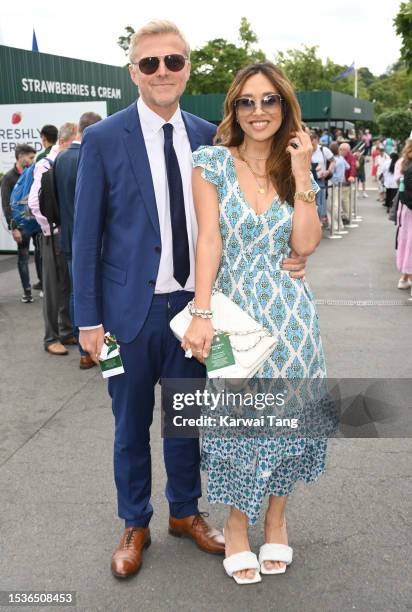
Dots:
(154, 354)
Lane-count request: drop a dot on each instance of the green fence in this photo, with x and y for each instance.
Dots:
(29, 77)
(315, 105)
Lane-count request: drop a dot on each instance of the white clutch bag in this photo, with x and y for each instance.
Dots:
(251, 342)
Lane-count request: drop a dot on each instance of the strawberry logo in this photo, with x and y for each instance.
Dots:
(16, 118)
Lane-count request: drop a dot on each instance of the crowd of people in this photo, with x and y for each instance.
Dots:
(397, 172)
(335, 164)
(352, 136)
(340, 160)
(38, 203)
(392, 172)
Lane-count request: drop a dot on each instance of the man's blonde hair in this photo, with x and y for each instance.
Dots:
(157, 26)
(67, 131)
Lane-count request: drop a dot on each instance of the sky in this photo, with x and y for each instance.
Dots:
(344, 30)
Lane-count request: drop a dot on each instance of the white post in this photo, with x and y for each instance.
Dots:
(356, 217)
(351, 199)
(340, 231)
(332, 193)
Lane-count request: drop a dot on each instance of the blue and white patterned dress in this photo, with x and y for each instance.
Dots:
(242, 471)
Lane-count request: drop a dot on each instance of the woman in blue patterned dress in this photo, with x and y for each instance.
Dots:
(255, 203)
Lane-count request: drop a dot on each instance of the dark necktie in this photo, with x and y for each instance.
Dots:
(181, 261)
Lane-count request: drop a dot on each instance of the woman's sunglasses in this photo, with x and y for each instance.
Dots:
(173, 62)
(269, 104)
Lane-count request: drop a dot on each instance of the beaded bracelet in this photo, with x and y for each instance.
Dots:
(199, 312)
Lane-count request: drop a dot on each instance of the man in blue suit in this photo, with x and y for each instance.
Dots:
(133, 267)
(65, 172)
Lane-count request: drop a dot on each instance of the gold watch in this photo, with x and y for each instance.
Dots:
(306, 196)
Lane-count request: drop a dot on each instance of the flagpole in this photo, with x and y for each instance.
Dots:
(356, 83)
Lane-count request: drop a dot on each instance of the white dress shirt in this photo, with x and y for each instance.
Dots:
(153, 135)
(152, 128)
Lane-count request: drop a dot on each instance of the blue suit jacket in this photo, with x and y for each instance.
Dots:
(65, 170)
(116, 240)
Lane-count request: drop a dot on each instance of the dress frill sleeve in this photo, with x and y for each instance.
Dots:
(315, 186)
(206, 158)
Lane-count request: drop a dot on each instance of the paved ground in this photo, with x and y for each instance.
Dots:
(350, 531)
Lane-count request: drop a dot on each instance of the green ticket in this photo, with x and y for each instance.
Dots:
(110, 360)
(220, 355)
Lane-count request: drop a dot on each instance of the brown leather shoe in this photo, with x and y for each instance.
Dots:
(127, 558)
(86, 362)
(207, 538)
(56, 348)
(70, 341)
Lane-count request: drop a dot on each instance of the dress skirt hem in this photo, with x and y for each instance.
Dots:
(231, 484)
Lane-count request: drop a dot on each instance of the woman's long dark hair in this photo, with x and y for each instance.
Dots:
(394, 158)
(230, 134)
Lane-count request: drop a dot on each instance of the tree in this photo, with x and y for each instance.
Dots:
(366, 76)
(391, 90)
(246, 35)
(396, 123)
(307, 72)
(215, 65)
(403, 27)
(303, 68)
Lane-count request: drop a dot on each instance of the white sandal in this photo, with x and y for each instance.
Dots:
(275, 552)
(242, 561)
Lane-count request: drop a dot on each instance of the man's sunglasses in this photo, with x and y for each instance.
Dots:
(268, 104)
(173, 62)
